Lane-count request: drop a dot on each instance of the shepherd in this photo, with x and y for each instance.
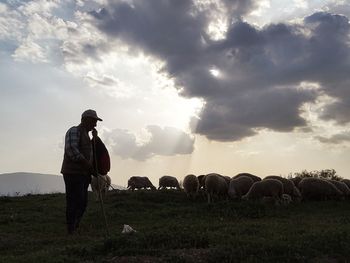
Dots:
(77, 167)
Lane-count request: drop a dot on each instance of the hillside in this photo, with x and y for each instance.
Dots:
(22, 183)
(172, 228)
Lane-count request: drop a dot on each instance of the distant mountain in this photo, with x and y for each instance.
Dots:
(23, 183)
(30, 183)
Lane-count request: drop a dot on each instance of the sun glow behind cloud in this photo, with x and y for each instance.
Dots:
(215, 72)
(125, 76)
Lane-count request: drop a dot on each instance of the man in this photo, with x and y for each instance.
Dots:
(77, 168)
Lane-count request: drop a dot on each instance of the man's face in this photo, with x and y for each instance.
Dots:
(89, 123)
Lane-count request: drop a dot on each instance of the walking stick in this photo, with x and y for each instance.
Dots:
(98, 184)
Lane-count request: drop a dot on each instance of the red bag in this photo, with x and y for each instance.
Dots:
(102, 157)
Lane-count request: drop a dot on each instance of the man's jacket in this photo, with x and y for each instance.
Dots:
(77, 148)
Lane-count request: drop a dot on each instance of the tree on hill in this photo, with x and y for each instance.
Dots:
(330, 174)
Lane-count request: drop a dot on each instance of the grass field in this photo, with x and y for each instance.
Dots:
(172, 228)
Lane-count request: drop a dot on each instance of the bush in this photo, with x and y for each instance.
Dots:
(325, 174)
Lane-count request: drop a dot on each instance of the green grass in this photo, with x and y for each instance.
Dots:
(172, 228)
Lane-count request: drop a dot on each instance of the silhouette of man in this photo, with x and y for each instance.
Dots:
(77, 168)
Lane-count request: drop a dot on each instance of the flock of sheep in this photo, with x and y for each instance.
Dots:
(245, 186)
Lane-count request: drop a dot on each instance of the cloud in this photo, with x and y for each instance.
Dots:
(10, 23)
(230, 119)
(84, 42)
(39, 6)
(339, 7)
(48, 31)
(110, 85)
(165, 141)
(104, 80)
(335, 139)
(260, 70)
(29, 50)
(29, 29)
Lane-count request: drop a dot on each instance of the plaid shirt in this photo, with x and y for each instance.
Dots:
(72, 144)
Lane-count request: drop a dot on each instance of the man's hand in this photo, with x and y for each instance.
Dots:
(94, 133)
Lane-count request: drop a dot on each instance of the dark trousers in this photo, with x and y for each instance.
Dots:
(76, 198)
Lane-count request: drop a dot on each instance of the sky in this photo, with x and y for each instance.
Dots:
(183, 87)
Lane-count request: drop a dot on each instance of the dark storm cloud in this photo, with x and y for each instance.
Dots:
(329, 62)
(163, 28)
(339, 7)
(237, 8)
(261, 69)
(76, 52)
(165, 141)
(335, 139)
(241, 115)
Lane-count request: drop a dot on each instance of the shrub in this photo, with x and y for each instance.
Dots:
(325, 174)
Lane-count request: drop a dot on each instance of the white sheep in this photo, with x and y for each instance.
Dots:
(346, 181)
(318, 189)
(341, 186)
(239, 186)
(288, 187)
(265, 188)
(227, 178)
(139, 182)
(252, 176)
(215, 184)
(168, 181)
(191, 185)
(101, 184)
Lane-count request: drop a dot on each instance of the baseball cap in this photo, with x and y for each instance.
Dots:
(90, 113)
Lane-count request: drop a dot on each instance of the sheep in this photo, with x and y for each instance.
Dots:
(139, 182)
(265, 188)
(318, 189)
(215, 184)
(254, 177)
(346, 181)
(168, 181)
(227, 179)
(341, 186)
(288, 187)
(191, 185)
(296, 180)
(101, 184)
(239, 186)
